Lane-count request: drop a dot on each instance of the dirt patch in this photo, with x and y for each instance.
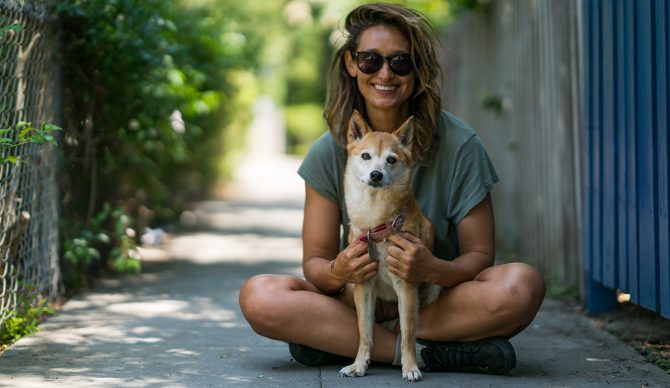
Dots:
(642, 329)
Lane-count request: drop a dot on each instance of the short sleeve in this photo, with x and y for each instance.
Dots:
(322, 168)
(474, 176)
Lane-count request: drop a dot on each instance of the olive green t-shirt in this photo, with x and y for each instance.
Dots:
(458, 177)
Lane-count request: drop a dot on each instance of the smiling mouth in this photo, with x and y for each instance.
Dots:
(385, 88)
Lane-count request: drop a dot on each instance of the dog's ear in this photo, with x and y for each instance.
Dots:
(357, 127)
(406, 132)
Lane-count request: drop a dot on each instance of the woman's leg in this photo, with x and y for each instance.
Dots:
(293, 310)
(500, 302)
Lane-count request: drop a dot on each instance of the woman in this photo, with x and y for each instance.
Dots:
(388, 70)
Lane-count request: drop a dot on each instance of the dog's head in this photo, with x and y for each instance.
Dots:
(379, 159)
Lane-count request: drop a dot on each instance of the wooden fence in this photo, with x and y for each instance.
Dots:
(572, 101)
(512, 71)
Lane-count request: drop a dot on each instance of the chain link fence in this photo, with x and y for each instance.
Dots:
(29, 91)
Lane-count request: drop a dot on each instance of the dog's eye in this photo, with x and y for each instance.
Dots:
(391, 160)
(366, 156)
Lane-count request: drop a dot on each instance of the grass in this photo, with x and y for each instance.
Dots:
(644, 330)
(23, 323)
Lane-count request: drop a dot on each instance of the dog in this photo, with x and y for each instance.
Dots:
(379, 200)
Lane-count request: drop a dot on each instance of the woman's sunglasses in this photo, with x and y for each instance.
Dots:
(370, 62)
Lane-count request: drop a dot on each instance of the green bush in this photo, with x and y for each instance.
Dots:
(109, 234)
(24, 322)
(151, 95)
(304, 123)
(129, 66)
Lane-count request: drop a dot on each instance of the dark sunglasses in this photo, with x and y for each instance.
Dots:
(370, 62)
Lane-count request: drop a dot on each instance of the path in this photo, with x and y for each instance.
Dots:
(178, 323)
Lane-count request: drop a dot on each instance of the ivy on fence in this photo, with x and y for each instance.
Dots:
(25, 134)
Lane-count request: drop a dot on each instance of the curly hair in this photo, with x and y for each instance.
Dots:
(424, 104)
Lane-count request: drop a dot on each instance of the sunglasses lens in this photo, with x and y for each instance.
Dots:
(401, 64)
(370, 63)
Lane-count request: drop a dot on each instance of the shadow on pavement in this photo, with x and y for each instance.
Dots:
(177, 323)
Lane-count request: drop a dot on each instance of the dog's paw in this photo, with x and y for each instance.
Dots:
(412, 374)
(354, 370)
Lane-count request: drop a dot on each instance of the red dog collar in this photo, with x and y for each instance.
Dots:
(384, 230)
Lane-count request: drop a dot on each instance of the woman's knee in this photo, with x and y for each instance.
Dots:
(260, 298)
(519, 292)
(526, 283)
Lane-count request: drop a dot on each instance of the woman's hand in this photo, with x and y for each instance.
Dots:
(353, 264)
(409, 259)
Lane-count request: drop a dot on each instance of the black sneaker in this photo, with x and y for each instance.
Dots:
(493, 356)
(313, 357)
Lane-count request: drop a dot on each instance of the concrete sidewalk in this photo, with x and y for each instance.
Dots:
(178, 323)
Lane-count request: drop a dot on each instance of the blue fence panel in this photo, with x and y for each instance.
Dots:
(622, 88)
(646, 152)
(608, 145)
(626, 177)
(630, 205)
(662, 82)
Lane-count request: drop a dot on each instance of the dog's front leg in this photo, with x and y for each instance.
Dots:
(364, 298)
(408, 310)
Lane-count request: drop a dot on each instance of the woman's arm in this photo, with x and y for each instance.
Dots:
(320, 246)
(412, 261)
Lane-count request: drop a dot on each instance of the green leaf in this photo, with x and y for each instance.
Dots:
(11, 159)
(103, 238)
(24, 133)
(38, 137)
(16, 27)
(50, 139)
(48, 127)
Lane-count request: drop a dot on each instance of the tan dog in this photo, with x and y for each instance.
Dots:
(379, 199)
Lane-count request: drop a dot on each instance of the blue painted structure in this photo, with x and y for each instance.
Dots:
(626, 144)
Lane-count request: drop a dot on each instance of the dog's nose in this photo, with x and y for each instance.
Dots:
(376, 176)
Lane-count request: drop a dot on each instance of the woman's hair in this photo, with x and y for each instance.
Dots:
(424, 104)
